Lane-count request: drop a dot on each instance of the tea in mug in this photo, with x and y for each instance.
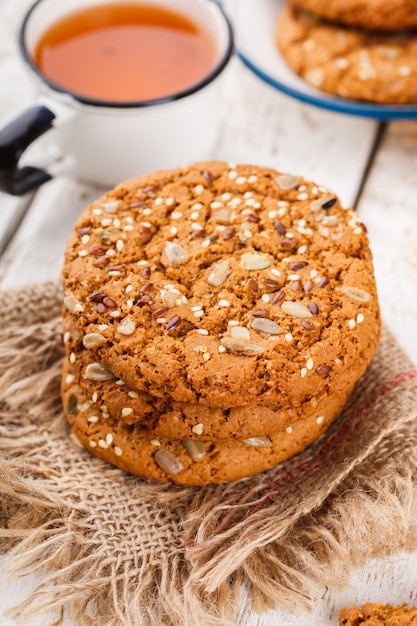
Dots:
(125, 52)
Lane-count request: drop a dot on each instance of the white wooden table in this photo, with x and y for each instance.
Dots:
(366, 164)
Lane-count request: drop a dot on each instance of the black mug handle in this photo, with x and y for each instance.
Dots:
(14, 139)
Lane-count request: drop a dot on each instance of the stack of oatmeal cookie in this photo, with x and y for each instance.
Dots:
(216, 319)
(356, 49)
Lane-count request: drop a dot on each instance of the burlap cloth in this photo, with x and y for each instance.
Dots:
(123, 551)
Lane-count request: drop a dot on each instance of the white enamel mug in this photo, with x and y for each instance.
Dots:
(107, 142)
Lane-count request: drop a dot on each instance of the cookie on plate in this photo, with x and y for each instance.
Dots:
(223, 286)
(369, 14)
(137, 450)
(347, 62)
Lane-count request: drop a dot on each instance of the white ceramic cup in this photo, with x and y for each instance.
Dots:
(105, 142)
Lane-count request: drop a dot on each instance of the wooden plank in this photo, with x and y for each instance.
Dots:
(261, 125)
(36, 252)
(388, 207)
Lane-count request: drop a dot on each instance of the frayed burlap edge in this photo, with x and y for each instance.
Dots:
(117, 550)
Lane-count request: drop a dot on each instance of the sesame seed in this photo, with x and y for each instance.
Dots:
(118, 451)
(288, 337)
(196, 206)
(352, 324)
(146, 211)
(221, 349)
(224, 303)
(198, 429)
(111, 252)
(205, 243)
(216, 205)
(67, 337)
(155, 442)
(202, 331)
(252, 179)
(115, 313)
(195, 215)
(232, 175)
(127, 411)
(169, 201)
(240, 180)
(289, 429)
(303, 372)
(173, 230)
(85, 239)
(97, 211)
(275, 272)
(310, 364)
(198, 189)
(196, 226)
(196, 308)
(160, 320)
(82, 253)
(158, 201)
(359, 318)
(302, 249)
(233, 323)
(116, 222)
(302, 196)
(142, 262)
(109, 439)
(72, 357)
(93, 419)
(198, 313)
(206, 356)
(225, 196)
(266, 297)
(320, 419)
(133, 394)
(69, 379)
(94, 397)
(120, 382)
(313, 273)
(176, 215)
(106, 221)
(102, 444)
(92, 444)
(103, 327)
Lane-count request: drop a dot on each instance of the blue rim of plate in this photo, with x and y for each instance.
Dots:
(381, 112)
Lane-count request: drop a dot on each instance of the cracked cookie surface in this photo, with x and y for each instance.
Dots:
(224, 286)
(136, 449)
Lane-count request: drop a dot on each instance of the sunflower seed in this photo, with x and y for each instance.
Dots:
(253, 261)
(97, 371)
(168, 462)
(296, 309)
(93, 340)
(219, 273)
(267, 326)
(175, 254)
(241, 346)
(360, 295)
(195, 449)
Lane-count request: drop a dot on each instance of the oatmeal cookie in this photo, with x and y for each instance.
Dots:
(136, 449)
(348, 62)
(182, 420)
(223, 286)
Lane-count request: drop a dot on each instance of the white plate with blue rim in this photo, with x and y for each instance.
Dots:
(254, 23)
